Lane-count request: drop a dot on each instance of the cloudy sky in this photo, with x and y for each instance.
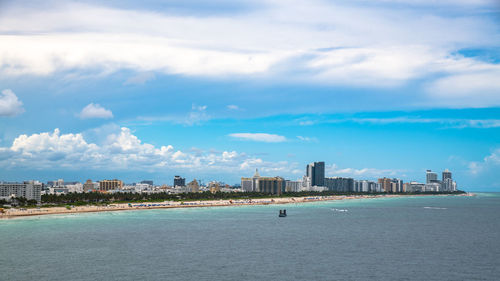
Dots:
(214, 89)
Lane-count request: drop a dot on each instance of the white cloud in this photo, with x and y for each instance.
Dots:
(233, 107)
(262, 137)
(334, 170)
(140, 78)
(456, 123)
(10, 105)
(196, 116)
(95, 111)
(345, 42)
(123, 151)
(471, 88)
(490, 163)
(307, 139)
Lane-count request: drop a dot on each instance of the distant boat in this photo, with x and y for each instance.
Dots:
(282, 213)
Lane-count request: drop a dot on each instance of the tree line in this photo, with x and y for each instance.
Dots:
(106, 198)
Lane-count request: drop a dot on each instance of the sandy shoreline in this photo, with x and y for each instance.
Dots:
(19, 212)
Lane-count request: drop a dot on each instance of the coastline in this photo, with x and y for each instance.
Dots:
(20, 212)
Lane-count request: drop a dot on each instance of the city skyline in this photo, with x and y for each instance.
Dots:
(216, 90)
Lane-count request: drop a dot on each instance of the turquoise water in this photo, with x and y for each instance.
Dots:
(408, 238)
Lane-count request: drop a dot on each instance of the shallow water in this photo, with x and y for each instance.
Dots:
(406, 238)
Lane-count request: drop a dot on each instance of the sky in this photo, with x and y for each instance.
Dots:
(213, 90)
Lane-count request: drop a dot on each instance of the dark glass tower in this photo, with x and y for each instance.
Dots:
(316, 172)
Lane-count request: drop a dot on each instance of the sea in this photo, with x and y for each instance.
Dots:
(404, 238)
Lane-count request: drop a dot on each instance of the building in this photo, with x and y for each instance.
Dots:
(106, 185)
(178, 181)
(339, 184)
(75, 187)
(396, 185)
(446, 174)
(316, 172)
(246, 184)
(193, 186)
(90, 186)
(272, 185)
(431, 177)
(385, 184)
(251, 184)
(147, 182)
(293, 186)
(365, 186)
(214, 187)
(447, 182)
(306, 184)
(414, 187)
(31, 190)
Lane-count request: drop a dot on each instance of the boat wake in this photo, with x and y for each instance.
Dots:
(435, 208)
(340, 210)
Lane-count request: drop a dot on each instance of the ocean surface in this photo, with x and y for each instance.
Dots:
(407, 238)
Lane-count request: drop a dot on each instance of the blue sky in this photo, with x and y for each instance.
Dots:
(213, 90)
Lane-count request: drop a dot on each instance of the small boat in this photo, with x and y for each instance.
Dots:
(282, 213)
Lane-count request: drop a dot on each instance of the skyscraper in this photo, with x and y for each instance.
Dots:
(385, 184)
(178, 181)
(316, 172)
(446, 175)
(431, 177)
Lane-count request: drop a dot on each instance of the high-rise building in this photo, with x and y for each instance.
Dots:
(431, 177)
(293, 186)
(255, 181)
(316, 172)
(447, 183)
(251, 184)
(31, 190)
(272, 185)
(396, 186)
(246, 184)
(178, 181)
(339, 184)
(385, 184)
(446, 175)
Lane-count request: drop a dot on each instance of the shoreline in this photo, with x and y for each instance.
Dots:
(18, 213)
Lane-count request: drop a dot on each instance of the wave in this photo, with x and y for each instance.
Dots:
(435, 208)
(339, 210)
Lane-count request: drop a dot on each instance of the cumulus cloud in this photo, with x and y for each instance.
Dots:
(121, 151)
(488, 164)
(262, 137)
(95, 111)
(10, 105)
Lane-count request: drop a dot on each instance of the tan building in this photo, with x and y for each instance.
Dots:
(214, 187)
(273, 185)
(385, 184)
(106, 185)
(193, 186)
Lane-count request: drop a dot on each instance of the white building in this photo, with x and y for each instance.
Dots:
(77, 187)
(293, 186)
(31, 190)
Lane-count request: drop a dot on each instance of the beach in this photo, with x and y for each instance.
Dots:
(23, 212)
